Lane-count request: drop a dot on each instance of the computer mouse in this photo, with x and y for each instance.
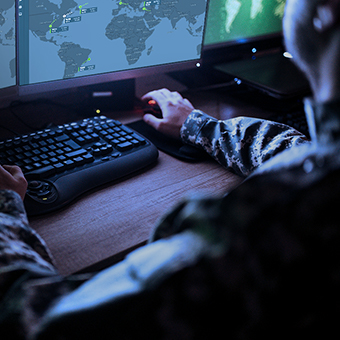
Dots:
(152, 107)
(192, 153)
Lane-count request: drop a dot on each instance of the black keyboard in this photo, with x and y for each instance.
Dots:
(296, 119)
(63, 162)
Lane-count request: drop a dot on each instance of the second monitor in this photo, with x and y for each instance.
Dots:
(243, 41)
(249, 34)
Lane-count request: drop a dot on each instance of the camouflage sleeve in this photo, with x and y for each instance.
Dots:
(23, 254)
(240, 144)
(18, 241)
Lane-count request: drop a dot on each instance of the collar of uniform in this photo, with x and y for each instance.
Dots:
(323, 121)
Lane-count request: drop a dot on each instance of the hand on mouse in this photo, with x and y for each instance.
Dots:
(175, 110)
(12, 178)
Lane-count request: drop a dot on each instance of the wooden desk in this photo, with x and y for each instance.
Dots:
(104, 224)
(113, 219)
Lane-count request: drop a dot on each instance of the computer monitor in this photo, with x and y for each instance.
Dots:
(237, 22)
(244, 40)
(7, 49)
(67, 44)
(237, 30)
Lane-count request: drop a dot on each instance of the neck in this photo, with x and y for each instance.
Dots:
(323, 121)
(326, 83)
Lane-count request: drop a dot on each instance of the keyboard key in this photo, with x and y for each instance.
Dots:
(124, 146)
(69, 164)
(79, 161)
(59, 167)
(76, 153)
(42, 171)
(62, 138)
(88, 158)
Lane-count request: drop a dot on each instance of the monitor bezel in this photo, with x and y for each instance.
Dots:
(62, 85)
(10, 92)
(242, 48)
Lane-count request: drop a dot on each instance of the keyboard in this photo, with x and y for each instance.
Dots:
(296, 119)
(65, 161)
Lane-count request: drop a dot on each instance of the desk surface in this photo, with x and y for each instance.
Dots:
(106, 223)
(114, 219)
(103, 225)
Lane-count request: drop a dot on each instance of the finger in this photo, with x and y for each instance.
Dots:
(187, 102)
(14, 170)
(5, 170)
(150, 95)
(176, 95)
(152, 120)
(157, 95)
(147, 97)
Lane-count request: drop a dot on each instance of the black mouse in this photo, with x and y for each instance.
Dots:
(152, 107)
(192, 153)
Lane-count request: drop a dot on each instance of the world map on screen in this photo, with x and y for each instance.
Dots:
(7, 43)
(69, 38)
(230, 20)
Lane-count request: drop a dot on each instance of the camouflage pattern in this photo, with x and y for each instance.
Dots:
(18, 242)
(258, 262)
(241, 144)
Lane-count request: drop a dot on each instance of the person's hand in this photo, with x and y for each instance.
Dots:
(175, 110)
(12, 178)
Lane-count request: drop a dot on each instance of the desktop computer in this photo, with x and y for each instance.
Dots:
(237, 21)
(244, 42)
(69, 44)
(54, 47)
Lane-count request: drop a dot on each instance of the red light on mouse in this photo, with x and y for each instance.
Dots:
(152, 102)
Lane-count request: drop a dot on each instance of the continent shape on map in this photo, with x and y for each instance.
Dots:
(137, 29)
(47, 16)
(134, 32)
(232, 8)
(4, 6)
(7, 43)
(256, 8)
(280, 9)
(73, 56)
(44, 13)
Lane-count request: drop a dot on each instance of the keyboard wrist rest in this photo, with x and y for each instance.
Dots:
(73, 184)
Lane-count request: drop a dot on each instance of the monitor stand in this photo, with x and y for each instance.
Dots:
(37, 112)
(85, 101)
(113, 96)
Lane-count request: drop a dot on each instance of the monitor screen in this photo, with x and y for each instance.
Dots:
(243, 41)
(238, 21)
(7, 44)
(68, 43)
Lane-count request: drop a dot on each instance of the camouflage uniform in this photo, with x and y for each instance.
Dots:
(241, 144)
(260, 262)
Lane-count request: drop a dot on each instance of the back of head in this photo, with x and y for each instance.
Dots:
(312, 35)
